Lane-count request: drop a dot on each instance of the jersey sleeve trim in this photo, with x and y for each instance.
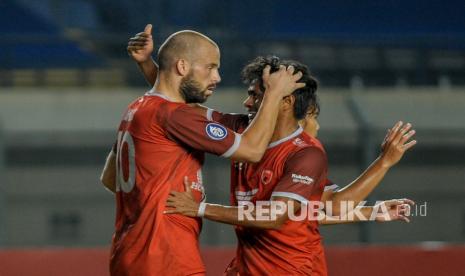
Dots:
(210, 114)
(297, 197)
(234, 147)
(333, 187)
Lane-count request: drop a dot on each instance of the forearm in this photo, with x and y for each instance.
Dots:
(365, 211)
(108, 176)
(361, 187)
(149, 69)
(258, 134)
(232, 215)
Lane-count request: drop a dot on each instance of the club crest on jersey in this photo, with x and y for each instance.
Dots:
(267, 175)
(216, 131)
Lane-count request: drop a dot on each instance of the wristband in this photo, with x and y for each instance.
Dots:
(201, 211)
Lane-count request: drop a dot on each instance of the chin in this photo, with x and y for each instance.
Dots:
(251, 116)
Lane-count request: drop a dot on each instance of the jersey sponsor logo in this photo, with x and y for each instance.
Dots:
(216, 131)
(297, 178)
(267, 175)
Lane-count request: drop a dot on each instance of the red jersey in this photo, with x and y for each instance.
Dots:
(294, 167)
(160, 142)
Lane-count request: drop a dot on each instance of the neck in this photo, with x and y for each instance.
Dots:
(285, 126)
(169, 87)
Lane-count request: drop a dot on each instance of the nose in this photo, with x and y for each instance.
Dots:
(248, 102)
(216, 76)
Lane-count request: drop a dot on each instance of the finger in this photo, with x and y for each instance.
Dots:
(148, 29)
(139, 38)
(394, 131)
(174, 194)
(407, 136)
(404, 218)
(409, 145)
(170, 204)
(134, 48)
(392, 202)
(408, 201)
(401, 132)
(297, 76)
(266, 72)
(299, 85)
(407, 209)
(290, 69)
(385, 138)
(167, 212)
(137, 43)
(141, 34)
(186, 185)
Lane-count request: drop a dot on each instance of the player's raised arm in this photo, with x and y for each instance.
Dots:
(140, 48)
(191, 126)
(257, 136)
(395, 144)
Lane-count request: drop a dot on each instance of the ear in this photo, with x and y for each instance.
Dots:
(288, 102)
(182, 67)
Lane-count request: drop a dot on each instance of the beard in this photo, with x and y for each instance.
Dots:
(191, 90)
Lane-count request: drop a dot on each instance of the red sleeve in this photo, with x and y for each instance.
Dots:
(189, 125)
(236, 122)
(302, 173)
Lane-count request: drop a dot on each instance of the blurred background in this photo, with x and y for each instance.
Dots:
(65, 79)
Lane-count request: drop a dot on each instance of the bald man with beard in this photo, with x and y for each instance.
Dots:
(162, 137)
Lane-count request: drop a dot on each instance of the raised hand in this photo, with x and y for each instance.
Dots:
(397, 209)
(182, 202)
(283, 82)
(140, 47)
(396, 143)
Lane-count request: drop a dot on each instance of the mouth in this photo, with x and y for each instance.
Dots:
(210, 89)
(251, 115)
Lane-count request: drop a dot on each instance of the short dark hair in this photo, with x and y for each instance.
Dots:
(305, 98)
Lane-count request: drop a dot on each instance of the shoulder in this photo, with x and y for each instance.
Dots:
(309, 152)
(306, 150)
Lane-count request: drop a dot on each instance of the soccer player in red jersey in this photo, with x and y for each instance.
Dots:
(161, 139)
(293, 172)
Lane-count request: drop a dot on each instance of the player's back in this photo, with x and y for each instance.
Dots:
(151, 163)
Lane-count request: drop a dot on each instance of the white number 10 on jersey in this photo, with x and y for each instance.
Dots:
(125, 163)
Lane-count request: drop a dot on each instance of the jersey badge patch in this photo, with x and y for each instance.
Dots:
(267, 175)
(216, 131)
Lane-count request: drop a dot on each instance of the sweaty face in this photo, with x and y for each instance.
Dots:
(310, 124)
(203, 76)
(254, 99)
